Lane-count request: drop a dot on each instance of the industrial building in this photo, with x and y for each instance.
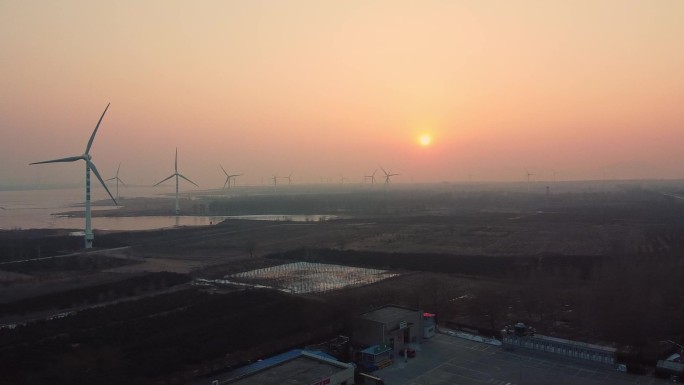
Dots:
(559, 346)
(296, 367)
(388, 330)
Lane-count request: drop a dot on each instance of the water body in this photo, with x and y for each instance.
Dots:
(36, 209)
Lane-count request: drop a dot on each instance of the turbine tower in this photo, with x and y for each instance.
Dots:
(275, 183)
(177, 175)
(387, 176)
(117, 179)
(528, 179)
(229, 177)
(89, 165)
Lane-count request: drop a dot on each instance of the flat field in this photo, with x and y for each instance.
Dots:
(600, 265)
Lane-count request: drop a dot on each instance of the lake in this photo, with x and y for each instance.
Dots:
(35, 209)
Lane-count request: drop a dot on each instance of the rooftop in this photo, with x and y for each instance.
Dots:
(390, 313)
(302, 369)
(607, 349)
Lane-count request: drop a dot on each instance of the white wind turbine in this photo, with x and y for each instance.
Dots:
(177, 175)
(117, 179)
(229, 177)
(371, 176)
(529, 175)
(89, 165)
(387, 176)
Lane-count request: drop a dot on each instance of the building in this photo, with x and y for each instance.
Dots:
(671, 367)
(390, 327)
(296, 367)
(559, 346)
(429, 325)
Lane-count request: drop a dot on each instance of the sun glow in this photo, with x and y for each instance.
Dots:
(425, 140)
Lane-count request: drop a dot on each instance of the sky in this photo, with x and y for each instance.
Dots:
(322, 89)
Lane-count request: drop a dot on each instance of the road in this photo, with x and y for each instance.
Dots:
(84, 252)
(447, 360)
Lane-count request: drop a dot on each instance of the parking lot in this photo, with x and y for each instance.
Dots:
(448, 360)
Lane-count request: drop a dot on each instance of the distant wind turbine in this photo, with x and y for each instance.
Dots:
(89, 165)
(387, 176)
(117, 179)
(275, 182)
(529, 175)
(229, 177)
(371, 177)
(289, 179)
(177, 175)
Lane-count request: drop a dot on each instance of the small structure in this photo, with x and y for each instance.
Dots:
(391, 325)
(525, 337)
(671, 367)
(296, 367)
(375, 357)
(429, 325)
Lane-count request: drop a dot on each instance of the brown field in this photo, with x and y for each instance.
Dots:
(599, 267)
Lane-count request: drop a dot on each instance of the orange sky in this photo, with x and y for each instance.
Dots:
(329, 88)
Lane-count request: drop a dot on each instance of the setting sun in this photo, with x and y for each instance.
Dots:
(425, 140)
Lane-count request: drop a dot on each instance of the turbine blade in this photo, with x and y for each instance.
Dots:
(226, 182)
(224, 170)
(117, 170)
(92, 137)
(119, 179)
(383, 170)
(188, 180)
(97, 174)
(107, 180)
(176, 164)
(69, 159)
(164, 180)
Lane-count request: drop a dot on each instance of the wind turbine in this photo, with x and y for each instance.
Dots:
(371, 176)
(289, 179)
(387, 176)
(89, 165)
(275, 183)
(177, 175)
(117, 179)
(528, 179)
(229, 177)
